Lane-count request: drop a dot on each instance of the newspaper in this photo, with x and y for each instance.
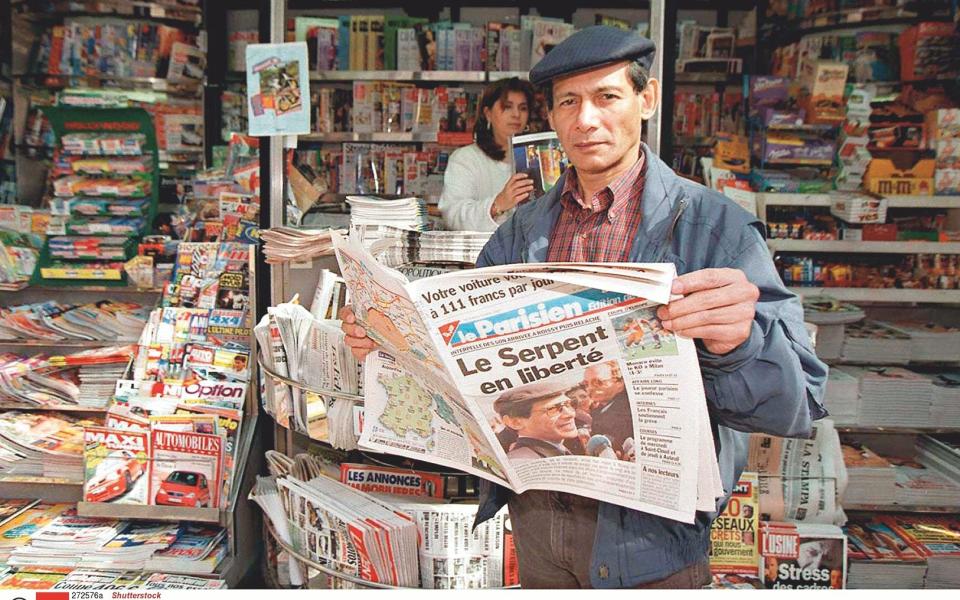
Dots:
(457, 348)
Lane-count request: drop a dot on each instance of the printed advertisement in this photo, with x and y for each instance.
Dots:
(278, 85)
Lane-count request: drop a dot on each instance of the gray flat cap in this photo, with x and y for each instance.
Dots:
(517, 398)
(590, 48)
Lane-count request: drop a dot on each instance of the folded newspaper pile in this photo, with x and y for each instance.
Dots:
(945, 401)
(800, 479)
(405, 213)
(940, 452)
(286, 244)
(842, 396)
(930, 342)
(875, 342)
(831, 318)
(105, 320)
(526, 374)
(871, 477)
(400, 246)
(310, 351)
(893, 397)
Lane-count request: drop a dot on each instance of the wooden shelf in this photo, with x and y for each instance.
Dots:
(775, 199)
(63, 343)
(149, 513)
(881, 294)
(92, 288)
(855, 247)
(44, 489)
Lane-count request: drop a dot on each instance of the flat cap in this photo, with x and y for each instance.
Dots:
(517, 399)
(590, 48)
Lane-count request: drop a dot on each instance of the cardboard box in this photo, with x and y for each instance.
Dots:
(825, 81)
(731, 152)
(947, 181)
(888, 179)
(928, 50)
(942, 124)
(880, 232)
(780, 148)
(948, 153)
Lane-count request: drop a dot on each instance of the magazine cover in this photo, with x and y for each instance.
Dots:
(734, 547)
(803, 556)
(391, 480)
(115, 465)
(540, 156)
(187, 469)
(278, 89)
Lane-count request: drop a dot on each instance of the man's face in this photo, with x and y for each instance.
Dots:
(580, 397)
(603, 384)
(551, 420)
(598, 117)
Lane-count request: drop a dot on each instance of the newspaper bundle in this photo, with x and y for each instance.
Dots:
(464, 355)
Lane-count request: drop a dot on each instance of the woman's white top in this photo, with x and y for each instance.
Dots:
(470, 184)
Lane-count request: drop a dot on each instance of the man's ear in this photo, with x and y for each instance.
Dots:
(650, 98)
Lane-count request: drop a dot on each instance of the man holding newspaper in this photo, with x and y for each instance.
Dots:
(619, 203)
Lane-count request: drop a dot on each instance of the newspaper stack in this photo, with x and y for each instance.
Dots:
(329, 297)
(42, 444)
(879, 557)
(399, 246)
(454, 555)
(942, 453)
(934, 538)
(871, 478)
(893, 397)
(824, 310)
(875, 342)
(286, 244)
(97, 383)
(405, 213)
(945, 405)
(197, 550)
(842, 397)
(460, 351)
(310, 352)
(858, 208)
(800, 479)
(930, 342)
(16, 531)
(349, 531)
(132, 547)
(918, 485)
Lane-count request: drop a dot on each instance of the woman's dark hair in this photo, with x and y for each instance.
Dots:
(495, 92)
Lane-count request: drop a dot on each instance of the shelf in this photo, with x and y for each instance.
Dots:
(439, 76)
(156, 84)
(781, 199)
(908, 508)
(44, 489)
(694, 140)
(864, 247)
(56, 407)
(881, 294)
(895, 430)
(63, 343)
(161, 11)
(495, 75)
(382, 136)
(707, 78)
(148, 513)
(92, 288)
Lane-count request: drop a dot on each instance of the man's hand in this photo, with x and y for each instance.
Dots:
(717, 307)
(354, 335)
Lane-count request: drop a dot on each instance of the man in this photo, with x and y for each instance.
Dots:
(543, 417)
(611, 414)
(620, 202)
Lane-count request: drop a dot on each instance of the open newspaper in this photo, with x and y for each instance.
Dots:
(554, 376)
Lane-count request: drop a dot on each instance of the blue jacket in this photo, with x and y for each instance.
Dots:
(772, 383)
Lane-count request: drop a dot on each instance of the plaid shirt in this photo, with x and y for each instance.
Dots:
(603, 230)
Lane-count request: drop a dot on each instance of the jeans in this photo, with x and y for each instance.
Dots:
(554, 534)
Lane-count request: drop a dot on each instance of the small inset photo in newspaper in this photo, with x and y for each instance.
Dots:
(584, 414)
(641, 335)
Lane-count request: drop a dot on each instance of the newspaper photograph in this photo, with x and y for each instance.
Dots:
(558, 368)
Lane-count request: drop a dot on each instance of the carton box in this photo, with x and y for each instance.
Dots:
(947, 181)
(825, 82)
(886, 178)
(943, 123)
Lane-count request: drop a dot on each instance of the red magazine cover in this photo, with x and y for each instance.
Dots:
(187, 468)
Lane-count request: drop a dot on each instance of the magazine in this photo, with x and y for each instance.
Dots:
(460, 370)
(115, 465)
(734, 535)
(803, 556)
(540, 156)
(278, 89)
(187, 468)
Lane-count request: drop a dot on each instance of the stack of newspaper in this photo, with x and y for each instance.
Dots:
(329, 297)
(300, 347)
(42, 444)
(399, 246)
(893, 397)
(106, 320)
(347, 530)
(940, 452)
(464, 355)
(842, 397)
(920, 485)
(875, 342)
(23, 521)
(930, 342)
(286, 244)
(64, 541)
(97, 382)
(934, 538)
(800, 479)
(831, 317)
(945, 401)
(871, 477)
(880, 557)
(132, 547)
(405, 213)
(197, 550)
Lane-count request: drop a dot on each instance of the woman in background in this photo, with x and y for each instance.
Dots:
(479, 190)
